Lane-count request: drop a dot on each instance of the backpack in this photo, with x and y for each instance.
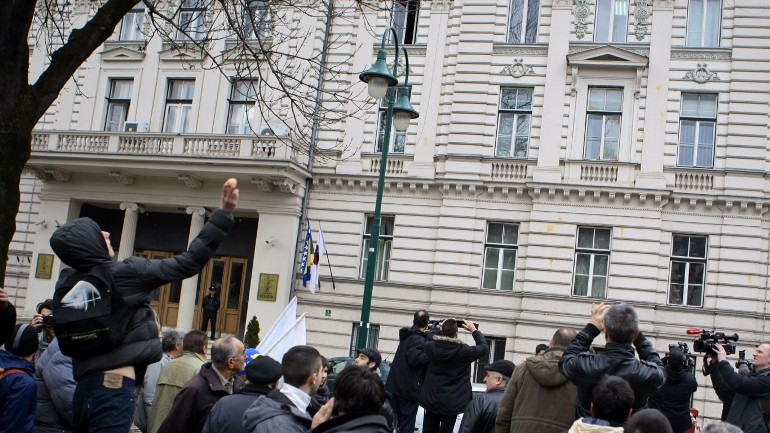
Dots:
(90, 317)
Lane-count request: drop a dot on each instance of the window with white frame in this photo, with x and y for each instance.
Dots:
(704, 22)
(522, 21)
(500, 256)
(592, 262)
(256, 20)
(513, 122)
(405, 14)
(697, 130)
(496, 353)
(611, 21)
(192, 20)
(132, 24)
(603, 121)
(384, 244)
(397, 139)
(118, 101)
(688, 270)
(372, 338)
(243, 116)
(179, 99)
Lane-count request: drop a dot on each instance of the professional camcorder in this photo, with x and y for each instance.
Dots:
(688, 362)
(743, 361)
(434, 326)
(706, 340)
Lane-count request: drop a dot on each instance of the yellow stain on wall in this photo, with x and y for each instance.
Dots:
(460, 259)
(749, 278)
(560, 219)
(550, 228)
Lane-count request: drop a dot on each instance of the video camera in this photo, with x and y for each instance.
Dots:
(706, 340)
(434, 326)
(688, 363)
(743, 361)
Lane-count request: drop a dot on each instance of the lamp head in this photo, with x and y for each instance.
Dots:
(378, 77)
(403, 111)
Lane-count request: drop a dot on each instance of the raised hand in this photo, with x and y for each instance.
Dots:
(230, 194)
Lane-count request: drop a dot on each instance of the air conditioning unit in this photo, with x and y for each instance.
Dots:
(276, 129)
(136, 127)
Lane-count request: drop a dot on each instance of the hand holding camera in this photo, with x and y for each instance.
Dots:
(468, 325)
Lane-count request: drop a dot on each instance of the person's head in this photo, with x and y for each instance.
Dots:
(541, 348)
(368, 358)
(357, 390)
(45, 308)
(563, 337)
(675, 359)
(612, 399)
(263, 370)
(324, 371)
(720, 427)
(23, 342)
(212, 290)
(621, 324)
(421, 319)
(449, 328)
(301, 368)
(195, 341)
(761, 358)
(498, 374)
(171, 342)
(228, 356)
(648, 421)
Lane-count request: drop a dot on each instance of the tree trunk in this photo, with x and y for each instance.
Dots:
(15, 141)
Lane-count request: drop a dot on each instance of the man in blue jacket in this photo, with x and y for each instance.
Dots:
(17, 383)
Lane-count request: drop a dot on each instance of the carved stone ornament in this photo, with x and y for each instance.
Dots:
(440, 5)
(123, 178)
(582, 11)
(518, 69)
(190, 181)
(701, 74)
(642, 14)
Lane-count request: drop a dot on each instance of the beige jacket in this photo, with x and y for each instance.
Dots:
(174, 376)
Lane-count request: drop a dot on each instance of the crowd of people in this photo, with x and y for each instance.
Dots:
(168, 384)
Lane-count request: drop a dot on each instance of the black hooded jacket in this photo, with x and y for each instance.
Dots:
(80, 245)
(673, 398)
(407, 372)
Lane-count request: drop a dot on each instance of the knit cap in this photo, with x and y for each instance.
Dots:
(23, 340)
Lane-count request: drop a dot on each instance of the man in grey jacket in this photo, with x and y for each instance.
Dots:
(171, 341)
(285, 410)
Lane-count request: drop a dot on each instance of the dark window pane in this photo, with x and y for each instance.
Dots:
(175, 291)
(585, 238)
(680, 246)
(698, 247)
(234, 292)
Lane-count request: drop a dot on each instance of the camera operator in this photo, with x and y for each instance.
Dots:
(39, 322)
(750, 408)
(673, 398)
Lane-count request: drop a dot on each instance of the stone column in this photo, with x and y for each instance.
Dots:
(184, 319)
(128, 234)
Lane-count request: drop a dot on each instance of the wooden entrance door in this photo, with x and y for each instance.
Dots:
(164, 299)
(228, 275)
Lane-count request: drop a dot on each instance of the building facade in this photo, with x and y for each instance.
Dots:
(567, 152)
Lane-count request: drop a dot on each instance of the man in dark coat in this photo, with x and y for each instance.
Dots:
(17, 383)
(262, 375)
(407, 371)
(447, 388)
(479, 416)
(621, 328)
(210, 308)
(215, 381)
(105, 391)
(673, 398)
(55, 388)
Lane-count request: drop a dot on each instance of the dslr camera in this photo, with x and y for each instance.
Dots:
(706, 339)
(688, 363)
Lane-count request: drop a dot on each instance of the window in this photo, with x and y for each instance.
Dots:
(704, 21)
(131, 26)
(178, 105)
(611, 21)
(697, 130)
(192, 20)
(243, 117)
(522, 21)
(118, 101)
(603, 117)
(372, 338)
(496, 353)
(383, 247)
(255, 20)
(513, 120)
(405, 14)
(397, 139)
(592, 262)
(500, 256)
(688, 270)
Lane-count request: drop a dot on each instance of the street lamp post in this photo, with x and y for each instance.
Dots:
(398, 115)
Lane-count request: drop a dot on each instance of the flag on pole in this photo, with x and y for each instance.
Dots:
(307, 263)
(294, 335)
(281, 325)
(315, 270)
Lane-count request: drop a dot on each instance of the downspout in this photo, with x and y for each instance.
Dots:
(311, 151)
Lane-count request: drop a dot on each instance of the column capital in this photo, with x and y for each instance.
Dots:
(133, 207)
(196, 210)
(663, 5)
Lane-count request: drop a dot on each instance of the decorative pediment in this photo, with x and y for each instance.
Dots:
(608, 56)
(130, 53)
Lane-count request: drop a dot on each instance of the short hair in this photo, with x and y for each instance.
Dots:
(47, 304)
(505, 378)
(299, 363)
(720, 427)
(621, 323)
(449, 328)
(170, 338)
(324, 362)
(421, 318)
(222, 350)
(195, 341)
(613, 398)
(540, 347)
(648, 421)
(563, 337)
(358, 390)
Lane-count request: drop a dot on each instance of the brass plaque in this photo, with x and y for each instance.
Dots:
(268, 287)
(44, 266)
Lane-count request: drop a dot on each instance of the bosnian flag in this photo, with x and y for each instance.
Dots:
(306, 262)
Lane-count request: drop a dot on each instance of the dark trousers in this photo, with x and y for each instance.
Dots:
(406, 411)
(103, 403)
(209, 317)
(434, 422)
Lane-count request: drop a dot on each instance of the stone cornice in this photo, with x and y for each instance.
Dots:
(706, 54)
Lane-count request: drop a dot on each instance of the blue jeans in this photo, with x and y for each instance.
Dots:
(103, 403)
(406, 411)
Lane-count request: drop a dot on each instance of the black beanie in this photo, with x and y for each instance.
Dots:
(23, 341)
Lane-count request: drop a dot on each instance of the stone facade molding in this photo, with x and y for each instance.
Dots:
(122, 177)
(701, 74)
(190, 181)
(582, 11)
(506, 49)
(707, 55)
(518, 69)
(642, 13)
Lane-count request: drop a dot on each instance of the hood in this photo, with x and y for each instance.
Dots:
(8, 361)
(443, 348)
(270, 406)
(580, 427)
(80, 244)
(545, 369)
(405, 333)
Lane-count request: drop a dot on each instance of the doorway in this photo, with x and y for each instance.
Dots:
(228, 275)
(164, 299)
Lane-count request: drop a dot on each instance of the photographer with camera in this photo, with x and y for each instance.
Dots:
(673, 398)
(750, 408)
